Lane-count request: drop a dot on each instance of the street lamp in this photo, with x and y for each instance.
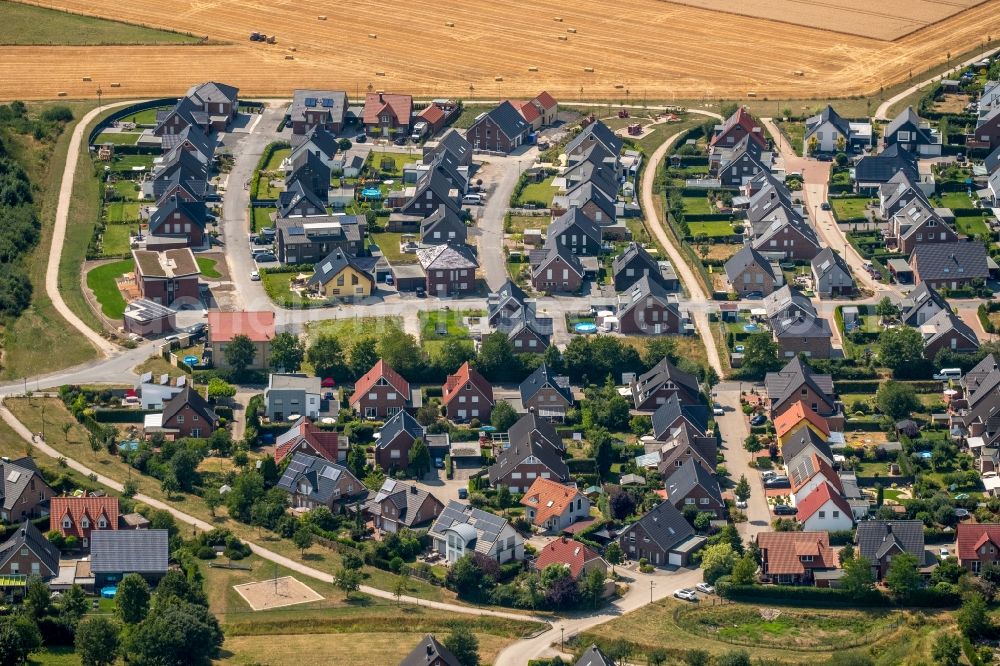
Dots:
(562, 637)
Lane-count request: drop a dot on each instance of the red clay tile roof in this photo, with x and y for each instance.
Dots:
(223, 326)
(971, 536)
(796, 412)
(325, 442)
(546, 100)
(548, 498)
(527, 110)
(785, 551)
(401, 106)
(820, 466)
(566, 551)
(78, 507)
(820, 495)
(743, 118)
(379, 370)
(432, 114)
(463, 376)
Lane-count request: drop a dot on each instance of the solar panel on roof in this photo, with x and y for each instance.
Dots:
(310, 101)
(327, 103)
(296, 231)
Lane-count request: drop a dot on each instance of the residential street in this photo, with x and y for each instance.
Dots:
(734, 429)
(499, 175)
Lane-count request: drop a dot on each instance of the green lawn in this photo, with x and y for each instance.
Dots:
(145, 117)
(713, 229)
(349, 330)
(123, 211)
(55, 656)
(971, 225)
(518, 223)
(266, 189)
(952, 200)
(449, 320)
(697, 206)
(794, 131)
(260, 218)
(127, 189)
(101, 281)
(117, 138)
(849, 208)
(128, 162)
(115, 242)
(542, 192)
(278, 288)
(388, 242)
(207, 268)
(274, 162)
(24, 24)
(399, 160)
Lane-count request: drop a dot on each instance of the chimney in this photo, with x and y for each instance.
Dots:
(380, 97)
(413, 490)
(430, 649)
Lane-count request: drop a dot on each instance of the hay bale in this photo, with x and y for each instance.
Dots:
(572, 30)
(116, 85)
(87, 78)
(321, 17)
(379, 73)
(563, 38)
(450, 24)
(372, 35)
(62, 93)
(558, 18)
(589, 70)
(532, 69)
(498, 78)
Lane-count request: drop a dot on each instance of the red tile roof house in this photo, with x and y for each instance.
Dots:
(187, 414)
(553, 506)
(380, 393)
(306, 437)
(387, 113)
(808, 473)
(978, 545)
(824, 510)
(437, 114)
(168, 277)
(224, 326)
(467, 395)
(538, 112)
(578, 558)
(80, 516)
(393, 442)
(793, 558)
(737, 126)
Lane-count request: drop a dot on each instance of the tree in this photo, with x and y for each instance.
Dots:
(184, 465)
(245, 490)
(886, 309)
(351, 560)
(496, 360)
(96, 641)
(175, 633)
(220, 388)
(659, 348)
(657, 657)
(428, 413)
(503, 416)
(857, 580)
(453, 353)
(601, 448)
(896, 400)
(169, 484)
(752, 444)
(357, 460)
(973, 617)
(717, 561)
(347, 581)
(37, 602)
(744, 570)
(132, 599)
(742, 489)
(74, 604)
(900, 346)
(240, 353)
(400, 350)
(362, 356)
(697, 657)
(419, 457)
(592, 587)
(760, 354)
(303, 538)
(19, 638)
(464, 645)
(327, 356)
(733, 658)
(621, 505)
(287, 352)
(613, 554)
(947, 650)
(902, 578)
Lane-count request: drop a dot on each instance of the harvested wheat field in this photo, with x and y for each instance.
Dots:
(486, 49)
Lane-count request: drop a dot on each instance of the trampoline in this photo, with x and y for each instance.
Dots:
(584, 327)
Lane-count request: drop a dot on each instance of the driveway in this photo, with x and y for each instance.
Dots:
(734, 430)
(499, 175)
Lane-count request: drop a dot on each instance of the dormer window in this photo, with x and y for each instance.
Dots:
(85, 523)
(102, 523)
(67, 523)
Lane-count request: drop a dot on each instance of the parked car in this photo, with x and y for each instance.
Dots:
(389, 279)
(421, 292)
(758, 420)
(687, 594)
(268, 232)
(196, 330)
(361, 138)
(785, 510)
(826, 206)
(705, 588)
(777, 482)
(472, 200)
(463, 493)
(254, 276)
(948, 374)
(400, 141)
(438, 463)
(264, 257)
(717, 409)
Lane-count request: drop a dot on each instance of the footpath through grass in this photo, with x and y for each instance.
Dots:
(29, 25)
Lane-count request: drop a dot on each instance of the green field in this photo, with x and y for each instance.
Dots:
(349, 330)
(127, 189)
(278, 288)
(101, 281)
(713, 229)
(123, 211)
(207, 268)
(116, 242)
(971, 225)
(542, 192)
(122, 163)
(399, 161)
(849, 208)
(388, 242)
(117, 138)
(145, 117)
(28, 25)
(697, 206)
(953, 200)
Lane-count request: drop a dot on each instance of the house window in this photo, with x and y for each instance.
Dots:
(102, 523)
(85, 523)
(196, 432)
(180, 418)
(394, 454)
(689, 500)
(703, 500)
(822, 514)
(67, 523)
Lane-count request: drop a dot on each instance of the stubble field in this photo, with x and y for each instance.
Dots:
(651, 48)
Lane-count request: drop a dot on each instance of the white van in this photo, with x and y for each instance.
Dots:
(948, 374)
(472, 199)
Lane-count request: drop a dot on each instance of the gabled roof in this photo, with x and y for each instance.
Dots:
(827, 115)
(882, 167)
(596, 131)
(678, 443)
(805, 468)
(689, 476)
(533, 427)
(324, 442)
(574, 217)
(944, 323)
(196, 211)
(466, 375)
(507, 119)
(296, 193)
(402, 421)
(224, 326)
(739, 262)
(191, 134)
(79, 507)
(785, 551)
(875, 538)
(321, 475)
(190, 110)
(379, 370)
(129, 551)
(785, 302)
(571, 554)
(962, 260)
(527, 110)
(919, 298)
(549, 498)
(974, 377)
(550, 252)
(827, 262)
(665, 525)
(798, 324)
(799, 439)
(972, 536)
(786, 422)
(992, 161)
(375, 102)
(541, 377)
(914, 216)
(642, 292)
(777, 221)
(453, 142)
(783, 384)
(28, 536)
(308, 166)
(17, 477)
(444, 221)
(437, 182)
(189, 397)
(430, 651)
(818, 498)
(472, 524)
(594, 657)
(320, 138)
(635, 252)
(667, 414)
(661, 373)
(332, 102)
(214, 92)
(447, 256)
(546, 100)
(908, 116)
(742, 118)
(406, 498)
(587, 192)
(333, 264)
(521, 450)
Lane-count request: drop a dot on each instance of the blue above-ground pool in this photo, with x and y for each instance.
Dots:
(191, 360)
(584, 327)
(750, 328)
(109, 592)
(925, 455)
(371, 193)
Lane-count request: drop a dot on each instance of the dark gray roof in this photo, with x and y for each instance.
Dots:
(17, 476)
(975, 376)
(448, 256)
(453, 142)
(660, 374)
(445, 222)
(643, 289)
(917, 299)
(401, 421)
(908, 117)
(191, 397)
(944, 323)
(637, 257)
(192, 134)
(213, 91)
(746, 257)
(436, 181)
(689, 476)
(541, 377)
(588, 191)
(333, 263)
(541, 258)
(486, 526)
(319, 137)
(191, 111)
(596, 131)
(875, 538)
(129, 551)
(665, 525)
(508, 120)
(321, 474)
(801, 438)
(783, 384)
(295, 193)
(827, 115)
(961, 260)
(671, 410)
(798, 324)
(828, 261)
(406, 498)
(574, 217)
(532, 427)
(882, 167)
(594, 657)
(28, 536)
(334, 102)
(430, 651)
(992, 161)
(536, 448)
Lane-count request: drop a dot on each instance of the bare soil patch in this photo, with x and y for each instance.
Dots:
(276, 593)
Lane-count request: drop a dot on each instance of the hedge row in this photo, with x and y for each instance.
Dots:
(864, 386)
(122, 415)
(782, 594)
(581, 465)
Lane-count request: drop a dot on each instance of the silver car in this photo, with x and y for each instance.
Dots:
(687, 594)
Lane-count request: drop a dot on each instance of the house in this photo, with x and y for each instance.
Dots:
(532, 427)
(397, 506)
(795, 416)
(881, 540)
(909, 131)
(219, 100)
(873, 171)
(500, 130)
(556, 269)
(635, 262)
(466, 395)
(652, 389)
(306, 437)
(185, 113)
(784, 234)
(831, 275)
(538, 112)
(978, 545)
(81, 517)
(312, 172)
(191, 140)
(309, 240)
(595, 132)
(545, 394)
(462, 529)
(321, 143)
(168, 277)
(576, 232)
(146, 318)
(802, 443)
(436, 115)
(673, 415)
(824, 509)
(292, 396)
(387, 114)
(826, 132)
(510, 312)
(429, 652)
(594, 165)
(916, 224)
(28, 552)
(451, 142)
(899, 192)
(224, 326)
(683, 444)
(946, 330)
(340, 275)
(648, 309)
(380, 393)
(311, 481)
(178, 223)
(25, 492)
(921, 305)
(741, 163)
(578, 558)
(187, 414)
(797, 327)
(748, 272)
(662, 537)
(297, 200)
(552, 506)
(450, 269)
(793, 558)
(950, 265)
(525, 460)
(992, 161)
(593, 200)
(797, 382)
(154, 391)
(443, 226)
(179, 172)
(317, 108)
(735, 128)
(975, 415)
(115, 554)
(432, 190)
(691, 485)
(394, 441)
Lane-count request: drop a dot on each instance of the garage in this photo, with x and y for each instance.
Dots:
(675, 559)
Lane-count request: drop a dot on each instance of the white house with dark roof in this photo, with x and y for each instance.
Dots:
(461, 530)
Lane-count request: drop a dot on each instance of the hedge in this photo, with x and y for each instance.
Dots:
(865, 386)
(984, 315)
(122, 415)
(581, 465)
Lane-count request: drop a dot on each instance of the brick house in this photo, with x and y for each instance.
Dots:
(556, 269)
(306, 437)
(80, 516)
(552, 506)
(798, 415)
(224, 326)
(735, 128)
(987, 133)
(917, 224)
(946, 330)
(749, 272)
(578, 558)
(978, 545)
(949, 265)
(467, 395)
(386, 114)
(525, 460)
(399, 505)
(430, 652)
(636, 262)
(576, 232)
(450, 269)
(317, 108)
(793, 558)
(545, 394)
(380, 393)
(28, 552)
(178, 223)
(692, 485)
(647, 309)
(311, 482)
(168, 276)
(663, 537)
(393, 442)
(25, 492)
(187, 414)
(881, 540)
(500, 130)
(797, 382)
